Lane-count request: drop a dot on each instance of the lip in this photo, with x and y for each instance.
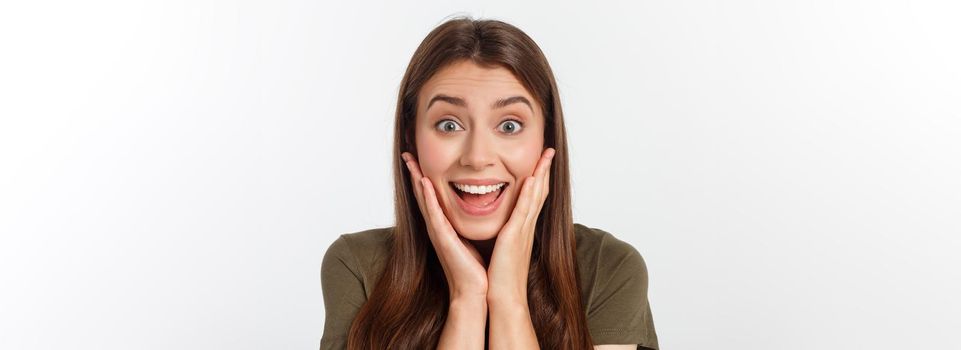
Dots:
(479, 211)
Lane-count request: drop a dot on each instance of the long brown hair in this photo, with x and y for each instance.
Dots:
(408, 305)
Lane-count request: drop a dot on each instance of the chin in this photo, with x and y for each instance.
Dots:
(479, 231)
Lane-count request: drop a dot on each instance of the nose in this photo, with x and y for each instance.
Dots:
(479, 152)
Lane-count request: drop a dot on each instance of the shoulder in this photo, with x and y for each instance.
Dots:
(360, 252)
(371, 240)
(614, 285)
(598, 247)
(348, 271)
(606, 264)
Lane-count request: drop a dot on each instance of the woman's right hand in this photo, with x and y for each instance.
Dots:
(462, 263)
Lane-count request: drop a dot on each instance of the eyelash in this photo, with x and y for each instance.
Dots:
(518, 130)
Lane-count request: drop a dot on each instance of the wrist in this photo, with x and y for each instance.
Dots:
(507, 295)
(507, 300)
(469, 301)
(468, 295)
(464, 327)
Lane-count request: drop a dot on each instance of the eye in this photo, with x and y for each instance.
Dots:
(512, 126)
(447, 126)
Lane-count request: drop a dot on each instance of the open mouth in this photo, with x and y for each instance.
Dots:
(479, 200)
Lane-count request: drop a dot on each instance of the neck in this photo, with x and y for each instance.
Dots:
(485, 248)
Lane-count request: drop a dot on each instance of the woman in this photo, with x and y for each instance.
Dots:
(484, 252)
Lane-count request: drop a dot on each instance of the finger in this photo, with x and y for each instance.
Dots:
(544, 164)
(547, 179)
(540, 174)
(418, 191)
(519, 214)
(440, 231)
(415, 167)
(415, 176)
(436, 214)
(546, 185)
(532, 201)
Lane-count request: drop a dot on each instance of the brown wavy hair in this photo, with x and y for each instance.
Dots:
(409, 303)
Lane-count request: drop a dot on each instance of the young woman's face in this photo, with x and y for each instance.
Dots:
(477, 123)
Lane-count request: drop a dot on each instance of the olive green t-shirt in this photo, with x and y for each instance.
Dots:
(613, 282)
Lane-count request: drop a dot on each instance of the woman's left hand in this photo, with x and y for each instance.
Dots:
(510, 260)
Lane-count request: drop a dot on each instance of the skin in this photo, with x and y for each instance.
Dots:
(485, 259)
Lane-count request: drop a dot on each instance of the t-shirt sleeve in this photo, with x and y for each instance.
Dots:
(343, 289)
(620, 312)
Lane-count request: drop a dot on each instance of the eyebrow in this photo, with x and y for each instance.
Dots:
(504, 102)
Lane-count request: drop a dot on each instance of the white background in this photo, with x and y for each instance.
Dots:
(172, 172)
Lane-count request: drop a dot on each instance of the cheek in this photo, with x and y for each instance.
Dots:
(522, 164)
(523, 160)
(433, 156)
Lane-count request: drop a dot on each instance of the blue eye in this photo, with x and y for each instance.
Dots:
(447, 126)
(515, 126)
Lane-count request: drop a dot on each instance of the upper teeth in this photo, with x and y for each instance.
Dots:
(479, 189)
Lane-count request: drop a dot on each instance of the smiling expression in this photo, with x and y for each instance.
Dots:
(477, 123)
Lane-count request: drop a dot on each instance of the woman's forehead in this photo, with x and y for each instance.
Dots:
(469, 81)
(472, 84)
